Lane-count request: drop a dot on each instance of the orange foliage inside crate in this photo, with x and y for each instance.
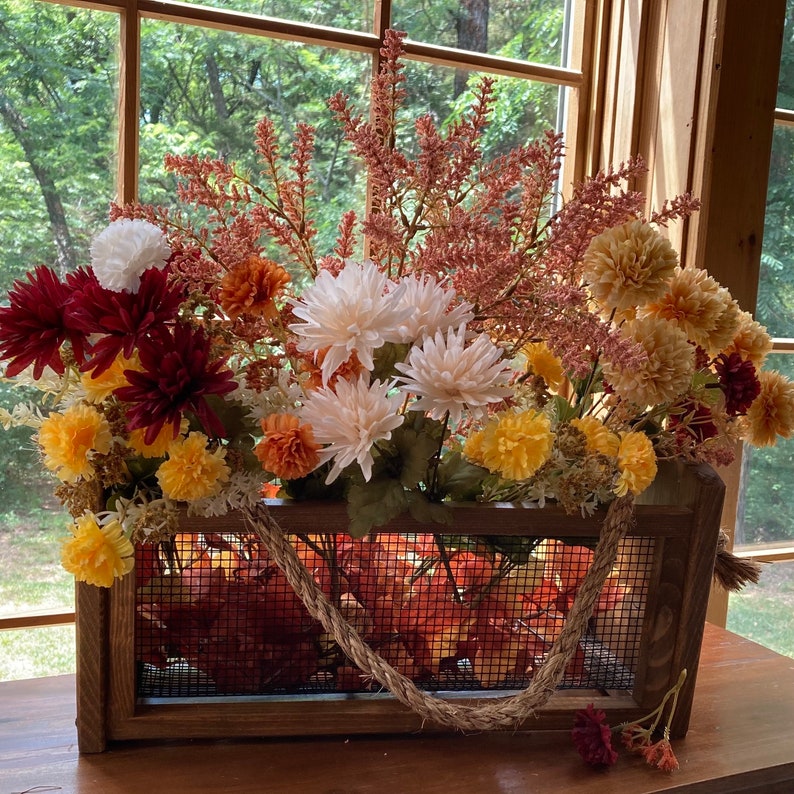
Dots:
(220, 603)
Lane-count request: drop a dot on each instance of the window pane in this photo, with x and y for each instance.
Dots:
(764, 612)
(775, 307)
(511, 28)
(221, 84)
(31, 653)
(348, 14)
(785, 89)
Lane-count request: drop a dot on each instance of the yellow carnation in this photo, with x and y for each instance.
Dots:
(472, 448)
(516, 445)
(162, 442)
(101, 387)
(96, 554)
(772, 412)
(192, 471)
(69, 439)
(598, 437)
(636, 464)
(541, 361)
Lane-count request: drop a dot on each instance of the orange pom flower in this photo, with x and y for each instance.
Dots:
(288, 449)
(251, 287)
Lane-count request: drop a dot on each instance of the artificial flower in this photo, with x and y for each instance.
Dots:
(598, 438)
(772, 412)
(431, 307)
(288, 448)
(97, 554)
(351, 419)
(667, 371)
(122, 251)
(192, 470)
(726, 326)
(636, 463)
(628, 265)
(592, 737)
(159, 445)
(354, 311)
(738, 381)
(251, 288)
(98, 386)
(751, 341)
(177, 375)
(661, 755)
(69, 439)
(448, 376)
(541, 361)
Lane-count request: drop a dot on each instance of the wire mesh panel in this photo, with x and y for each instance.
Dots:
(216, 617)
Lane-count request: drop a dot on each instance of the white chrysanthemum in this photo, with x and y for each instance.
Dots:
(124, 249)
(350, 418)
(354, 311)
(429, 302)
(448, 376)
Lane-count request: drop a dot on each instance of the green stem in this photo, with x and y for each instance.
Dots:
(448, 568)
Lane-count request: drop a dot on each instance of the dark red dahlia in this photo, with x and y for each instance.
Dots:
(177, 377)
(738, 381)
(593, 737)
(36, 323)
(122, 320)
(692, 421)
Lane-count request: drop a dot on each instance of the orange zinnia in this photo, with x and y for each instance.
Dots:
(288, 449)
(251, 287)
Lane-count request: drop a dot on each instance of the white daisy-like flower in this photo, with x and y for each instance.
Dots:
(448, 376)
(354, 311)
(123, 250)
(430, 303)
(350, 418)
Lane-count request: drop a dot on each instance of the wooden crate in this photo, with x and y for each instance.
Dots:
(680, 513)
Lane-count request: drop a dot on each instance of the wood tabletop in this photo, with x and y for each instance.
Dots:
(740, 739)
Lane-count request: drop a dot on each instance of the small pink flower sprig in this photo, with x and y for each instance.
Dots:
(592, 736)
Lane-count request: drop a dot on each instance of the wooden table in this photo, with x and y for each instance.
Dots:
(741, 739)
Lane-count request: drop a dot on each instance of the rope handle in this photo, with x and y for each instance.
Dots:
(490, 714)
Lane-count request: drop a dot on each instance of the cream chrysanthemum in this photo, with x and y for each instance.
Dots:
(694, 301)
(354, 311)
(429, 303)
(541, 361)
(513, 445)
(667, 371)
(751, 342)
(68, 441)
(123, 250)
(727, 326)
(192, 471)
(350, 418)
(97, 554)
(628, 265)
(636, 464)
(772, 412)
(598, 438)
(448, 376)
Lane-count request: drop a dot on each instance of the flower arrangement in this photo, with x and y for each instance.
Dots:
(465, 340)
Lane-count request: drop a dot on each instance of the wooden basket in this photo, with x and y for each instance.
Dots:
(679, 515)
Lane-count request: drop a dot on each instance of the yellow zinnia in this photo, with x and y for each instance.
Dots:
(68, 440)
(516, 445)
(541, 361)
(597, 437)
(192, 471)
(96, 554)
(636, 464)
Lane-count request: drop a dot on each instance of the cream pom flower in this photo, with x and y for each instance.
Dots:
(429, 303)
(448, 376)
(354, 311)
(350, 418)
(192, 471)
(751, 342)
(124, 249)
(727, 326)
(694, 301)
(667, 371)
(772, 412)
(636, 464)
(628, 265)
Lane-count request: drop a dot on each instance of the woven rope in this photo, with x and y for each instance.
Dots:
(488, 714)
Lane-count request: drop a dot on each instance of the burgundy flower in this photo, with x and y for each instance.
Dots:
(36, 323)
(177, 376)
(593, 737)
(122, 320)
(692, 421)
(738, 381)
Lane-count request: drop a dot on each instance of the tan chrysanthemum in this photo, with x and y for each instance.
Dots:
(288, 449)
(726, 328)
(772, 412)
(628, 266)
(751, 341)
(541, 361)
(251, 287)
(665, 374)
(694, 301)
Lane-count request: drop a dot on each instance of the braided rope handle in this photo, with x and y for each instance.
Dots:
(488, 714)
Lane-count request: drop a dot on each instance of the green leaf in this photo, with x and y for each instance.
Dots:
(386, 357)
(517, 549)
(460, 480)
(415, 448)
(374, 504)
(426, 512)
